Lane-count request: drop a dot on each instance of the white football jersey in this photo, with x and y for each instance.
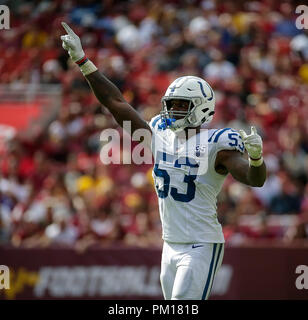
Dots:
(186, 182)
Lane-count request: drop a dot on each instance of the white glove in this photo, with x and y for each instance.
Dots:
(71, 43)
(252, 143)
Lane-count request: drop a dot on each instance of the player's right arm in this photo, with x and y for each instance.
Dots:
(105, 91)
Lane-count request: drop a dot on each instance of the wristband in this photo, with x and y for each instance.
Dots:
(256, 163)
(82, 61)
(86, 66)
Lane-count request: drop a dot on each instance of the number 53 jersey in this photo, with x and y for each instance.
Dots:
(187, 183)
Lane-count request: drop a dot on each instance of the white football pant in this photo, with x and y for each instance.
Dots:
(188, 270)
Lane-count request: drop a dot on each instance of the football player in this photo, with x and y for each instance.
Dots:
(190, 167)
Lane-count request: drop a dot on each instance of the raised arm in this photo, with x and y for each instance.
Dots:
(251, 172)
(105, 91)
(111, 97)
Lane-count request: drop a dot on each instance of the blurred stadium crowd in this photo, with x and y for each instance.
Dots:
(54, 188)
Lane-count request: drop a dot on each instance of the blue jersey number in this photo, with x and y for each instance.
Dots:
(163, 174)
(189, 179)
(234, 137)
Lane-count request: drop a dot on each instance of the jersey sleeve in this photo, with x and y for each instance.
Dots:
(227, 139)
(154, 123)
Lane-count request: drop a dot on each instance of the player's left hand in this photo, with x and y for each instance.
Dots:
(252, 143)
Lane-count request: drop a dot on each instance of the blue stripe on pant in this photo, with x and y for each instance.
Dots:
(212, 270)
(216, 264)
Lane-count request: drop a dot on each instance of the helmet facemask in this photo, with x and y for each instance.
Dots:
(176, 120)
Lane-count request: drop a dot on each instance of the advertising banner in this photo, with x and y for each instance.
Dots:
(133, 273)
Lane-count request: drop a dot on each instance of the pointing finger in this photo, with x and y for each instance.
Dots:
(68, 29)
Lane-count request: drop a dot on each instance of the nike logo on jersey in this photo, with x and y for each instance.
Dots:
(196, 246)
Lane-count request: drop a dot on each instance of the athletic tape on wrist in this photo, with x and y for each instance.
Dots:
(87, 67)
(256, 163)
